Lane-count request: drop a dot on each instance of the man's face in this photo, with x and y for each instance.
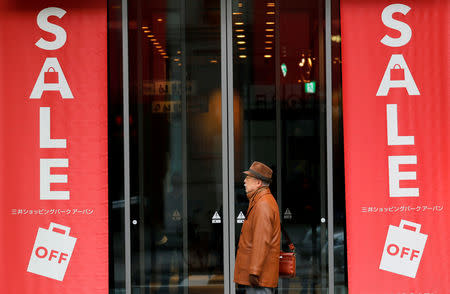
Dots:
(251, 184)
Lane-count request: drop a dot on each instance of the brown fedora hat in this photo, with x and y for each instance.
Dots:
(260, 171)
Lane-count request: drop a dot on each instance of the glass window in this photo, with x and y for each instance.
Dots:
(340, 241)
(279, 110)
(175, 147)
(115, 151)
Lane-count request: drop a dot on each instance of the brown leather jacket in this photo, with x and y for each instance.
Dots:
(259, 244)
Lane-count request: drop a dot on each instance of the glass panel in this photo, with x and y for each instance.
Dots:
(115, 151)
(279, 109)
(176, 147)
(340, 241)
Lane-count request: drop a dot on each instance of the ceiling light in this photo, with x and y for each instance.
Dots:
(239, 23)
(270, 12)
(241, 42)
(270, 22)
(267, 56)
(242, 56)
(240, 36)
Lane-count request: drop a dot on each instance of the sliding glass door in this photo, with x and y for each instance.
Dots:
(279, 102)
(175, 147)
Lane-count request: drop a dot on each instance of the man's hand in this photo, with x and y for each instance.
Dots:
(254, 280)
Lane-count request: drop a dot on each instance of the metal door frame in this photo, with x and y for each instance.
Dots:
(226, 35)
(228, 143)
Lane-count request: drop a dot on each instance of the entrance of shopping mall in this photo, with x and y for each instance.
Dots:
(213, 86)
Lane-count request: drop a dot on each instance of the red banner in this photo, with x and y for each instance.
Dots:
(53, 127)
(397, 143)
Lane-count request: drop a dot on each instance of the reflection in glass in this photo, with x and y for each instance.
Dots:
(175, 146)
(115, 153)
(340, 250)
(279, 79)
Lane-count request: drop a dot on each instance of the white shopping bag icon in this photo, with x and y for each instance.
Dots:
(403, 249)
(51, 252)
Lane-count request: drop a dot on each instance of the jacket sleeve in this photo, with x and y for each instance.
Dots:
(262, 233)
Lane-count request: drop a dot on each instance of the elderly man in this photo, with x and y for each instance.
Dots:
(258, 251)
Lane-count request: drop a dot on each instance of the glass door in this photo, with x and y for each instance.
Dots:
(278, 53)
(175, 147)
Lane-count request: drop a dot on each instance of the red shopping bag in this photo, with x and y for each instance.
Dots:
(397, 73)
(51, 76)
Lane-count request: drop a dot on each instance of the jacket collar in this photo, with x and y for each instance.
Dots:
(256, 195)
